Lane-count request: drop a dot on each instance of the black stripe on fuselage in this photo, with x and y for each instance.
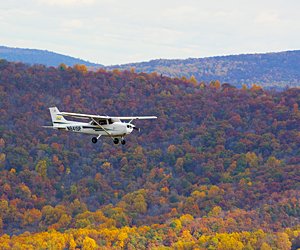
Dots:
(96, 128)
(62, 122)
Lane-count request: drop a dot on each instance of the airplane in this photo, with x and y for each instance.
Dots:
(97, 125)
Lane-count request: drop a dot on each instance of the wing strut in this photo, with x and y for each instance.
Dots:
(101, 126)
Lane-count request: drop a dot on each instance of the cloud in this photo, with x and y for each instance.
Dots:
(268, 17)
(67, 2)
(114, 31)
(73, 24)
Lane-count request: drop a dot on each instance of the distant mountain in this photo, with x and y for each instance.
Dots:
(269, 70)
(35, 56)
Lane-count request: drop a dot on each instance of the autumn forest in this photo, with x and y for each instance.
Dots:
(218, 169)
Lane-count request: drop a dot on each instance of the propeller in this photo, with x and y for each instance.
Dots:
(138, 129)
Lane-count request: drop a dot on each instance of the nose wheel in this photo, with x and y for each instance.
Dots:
(123, 142)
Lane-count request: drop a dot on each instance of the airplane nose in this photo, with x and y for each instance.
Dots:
(129, 128)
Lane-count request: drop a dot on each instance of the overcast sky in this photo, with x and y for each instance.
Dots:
(123, 31)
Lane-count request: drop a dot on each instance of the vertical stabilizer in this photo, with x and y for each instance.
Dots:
(56, 116)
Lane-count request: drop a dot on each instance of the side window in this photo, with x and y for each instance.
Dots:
(101, 122)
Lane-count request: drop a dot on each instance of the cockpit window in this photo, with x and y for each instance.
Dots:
(101, 122)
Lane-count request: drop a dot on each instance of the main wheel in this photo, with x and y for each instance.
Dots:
(123, 142)
(94, 139)
(116, 141)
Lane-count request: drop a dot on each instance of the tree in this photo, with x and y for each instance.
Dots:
(252, 159)
(41, 168)
(193, 80)
(32, 217)
(89, 244)
(81, 68)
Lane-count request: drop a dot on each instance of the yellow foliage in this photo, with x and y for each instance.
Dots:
(186, 219)
(198, 195)
(144, 229)
(216, 211)
(71, 243)
(25, 190)
(4, 242)
(186, 235)
(106, 165)
(265, 246)
(176, 224)
(41, 168)
(118, 238)
(193, 80)
(89, 244)
(13, 171)
(283, 241)
(2, 158)
(252, 159)
(273, 162)
(213, 191)
(229, 242)
(181, 245)
(68, 171)
(121, 238)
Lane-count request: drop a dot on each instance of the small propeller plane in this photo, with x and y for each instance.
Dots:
(97, 125)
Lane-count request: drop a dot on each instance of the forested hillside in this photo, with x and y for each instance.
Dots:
(218, 169)
(271, 70)
(36, 56)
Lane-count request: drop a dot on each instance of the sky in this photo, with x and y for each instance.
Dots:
(125, 31)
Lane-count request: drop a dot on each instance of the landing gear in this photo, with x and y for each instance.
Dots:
(115, 140)
(95, 139)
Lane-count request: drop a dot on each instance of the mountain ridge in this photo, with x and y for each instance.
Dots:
(270, 70)
(37, 56)
(275, 69)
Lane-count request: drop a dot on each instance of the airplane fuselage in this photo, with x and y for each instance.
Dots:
(116, 129)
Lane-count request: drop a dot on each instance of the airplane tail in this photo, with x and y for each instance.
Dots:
(56, 117)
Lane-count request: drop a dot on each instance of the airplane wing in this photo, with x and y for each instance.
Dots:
(85, 116)
(136, 117)
(100, 117)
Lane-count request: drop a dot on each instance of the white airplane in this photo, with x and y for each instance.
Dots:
(97, 125)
